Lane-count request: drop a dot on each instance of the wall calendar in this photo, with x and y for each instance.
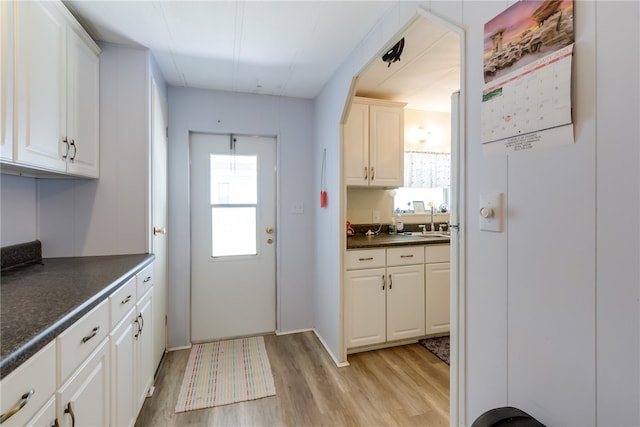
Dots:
(526, 99)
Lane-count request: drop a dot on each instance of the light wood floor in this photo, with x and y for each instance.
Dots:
(401, 386)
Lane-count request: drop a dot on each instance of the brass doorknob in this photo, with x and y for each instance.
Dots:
(269, 230)
(270, 241)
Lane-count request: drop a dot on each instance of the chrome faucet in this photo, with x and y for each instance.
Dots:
(433, 227)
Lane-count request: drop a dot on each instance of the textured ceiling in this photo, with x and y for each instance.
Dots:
(284, 48)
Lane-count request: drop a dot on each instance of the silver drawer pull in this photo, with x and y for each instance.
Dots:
(406, 256)
(94, 331)
(147, 279)
(126, 300)
(365, 259)
(24, 399)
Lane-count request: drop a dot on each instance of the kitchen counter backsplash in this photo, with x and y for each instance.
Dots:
(361, 229)
(21, 254)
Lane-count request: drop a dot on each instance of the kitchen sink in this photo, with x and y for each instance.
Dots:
(436, 235)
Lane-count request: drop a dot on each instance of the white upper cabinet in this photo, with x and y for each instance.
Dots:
(6, 80)
(56, 92)
(374, 143)
(83, 85)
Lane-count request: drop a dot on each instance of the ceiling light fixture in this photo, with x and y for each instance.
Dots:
(422, 134)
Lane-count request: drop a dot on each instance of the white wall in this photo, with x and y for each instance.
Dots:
(552, 316)
(222, 112)
(109, 215)
(18, 223)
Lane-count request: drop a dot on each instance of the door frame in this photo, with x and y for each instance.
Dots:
(457, 373)
(277, 219)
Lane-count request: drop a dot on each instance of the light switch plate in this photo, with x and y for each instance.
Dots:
(297, 208)
(491, 212)
(375, 217)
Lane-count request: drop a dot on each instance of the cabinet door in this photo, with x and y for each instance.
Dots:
(356, 146)
(40, 85)
(386, 146)
(144, 344)
(405, 302)
(82, 107)
(123, 371)
(437, 297)
(84, 399)
(365, 307)
(6, 80)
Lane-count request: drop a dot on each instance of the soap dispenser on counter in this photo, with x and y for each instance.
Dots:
(399, 225)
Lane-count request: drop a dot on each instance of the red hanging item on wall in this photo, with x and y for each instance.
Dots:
(323, 192)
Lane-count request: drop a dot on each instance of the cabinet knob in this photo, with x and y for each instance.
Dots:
(24, 399)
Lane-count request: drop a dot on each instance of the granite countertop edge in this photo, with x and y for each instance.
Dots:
(20, 355)
(384, 241)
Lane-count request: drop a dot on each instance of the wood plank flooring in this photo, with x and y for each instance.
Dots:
(400, 386)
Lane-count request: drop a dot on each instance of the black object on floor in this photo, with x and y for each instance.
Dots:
(506, 416)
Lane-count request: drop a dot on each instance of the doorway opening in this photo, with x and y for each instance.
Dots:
(428, 79)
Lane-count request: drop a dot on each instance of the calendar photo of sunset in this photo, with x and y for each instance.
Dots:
(525, 32)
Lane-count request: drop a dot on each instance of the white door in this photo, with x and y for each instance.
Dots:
(233, 255)
(159, 221)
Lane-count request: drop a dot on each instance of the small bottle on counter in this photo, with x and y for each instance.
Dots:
(399, 225)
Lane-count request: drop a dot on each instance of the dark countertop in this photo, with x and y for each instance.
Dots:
(389, 240)
(38, 302)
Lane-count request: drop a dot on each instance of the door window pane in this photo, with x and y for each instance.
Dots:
(234, 197)
(234, 179)
(233, 231)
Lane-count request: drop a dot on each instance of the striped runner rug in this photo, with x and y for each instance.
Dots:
(224, 372)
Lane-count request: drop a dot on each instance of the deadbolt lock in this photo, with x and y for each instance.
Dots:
(269, 230)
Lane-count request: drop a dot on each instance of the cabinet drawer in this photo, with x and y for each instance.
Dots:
(405, 255)
(437, 253)
(369, 258)
(121, 301)
(145, 280)
(77, 342)
(37, 374)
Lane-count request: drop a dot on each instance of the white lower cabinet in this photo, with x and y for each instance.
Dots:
(84, 399)
(405, 302)
(437, 281)
(131, 351)
(385, 303)
(122, 371)
(365, 305)
(95, 373)
(144, 350)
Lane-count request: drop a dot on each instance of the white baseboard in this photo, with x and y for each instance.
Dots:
(326, 348)
(297, 331)
(185, 347)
